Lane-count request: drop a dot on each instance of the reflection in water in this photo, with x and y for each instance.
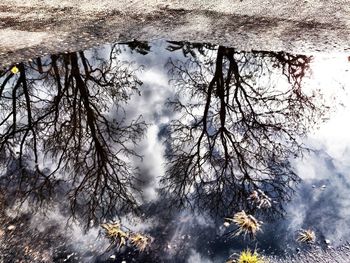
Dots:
(237, 128)
(62, 119)
(69, 124)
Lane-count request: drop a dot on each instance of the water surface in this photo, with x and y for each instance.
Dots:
(170, 138)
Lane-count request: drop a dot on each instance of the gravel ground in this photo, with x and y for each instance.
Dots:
(31, 28)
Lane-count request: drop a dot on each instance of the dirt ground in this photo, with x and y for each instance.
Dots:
(30, 28)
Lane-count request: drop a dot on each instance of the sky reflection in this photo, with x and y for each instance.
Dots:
(117, 130)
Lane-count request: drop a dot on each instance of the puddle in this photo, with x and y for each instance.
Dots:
(170, 138)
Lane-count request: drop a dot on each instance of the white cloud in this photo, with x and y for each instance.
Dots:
(195, 257)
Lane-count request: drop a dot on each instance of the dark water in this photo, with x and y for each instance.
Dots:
(170, 138)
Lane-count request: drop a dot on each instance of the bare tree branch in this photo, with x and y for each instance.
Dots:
(237, 130)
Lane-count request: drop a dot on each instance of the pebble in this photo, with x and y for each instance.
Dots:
(11, 227)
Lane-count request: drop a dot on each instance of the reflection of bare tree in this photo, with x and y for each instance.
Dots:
(140, 47)
(237, 129)
(188, 48)
(72, 116)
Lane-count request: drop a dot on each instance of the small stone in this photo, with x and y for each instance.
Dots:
(11, 227)
(112, 257)
(327, 241)
(226, 224)
(68, 257)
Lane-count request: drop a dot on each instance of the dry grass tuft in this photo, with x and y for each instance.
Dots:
(306, 236)
(247, 224)
(114, 232)
(248, 256)
(141, 242)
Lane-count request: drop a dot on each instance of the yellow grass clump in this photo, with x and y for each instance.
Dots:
(114, 232)
(248, 256)
(247, 224)
(306, 236)
(140, 241)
